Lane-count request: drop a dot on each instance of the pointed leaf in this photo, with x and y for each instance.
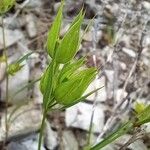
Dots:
(69, 44)
(25, 57)
(68, 92)
(70, 68)
(82, 98)
(53, 34)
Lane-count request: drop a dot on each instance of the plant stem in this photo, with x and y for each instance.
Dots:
(42, 129)
(7, 79)
(90, 130)
(48, 100)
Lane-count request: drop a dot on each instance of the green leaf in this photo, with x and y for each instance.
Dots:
(143, 117)
(70, 68)
(25, 57)
(87, 27)
(68, 92)
(47, 83)
(69, 44)
(44, 79)
(5, 5)
(77, 17)
(53, 34)
(112, 137)
(82, 98)
(139, 107)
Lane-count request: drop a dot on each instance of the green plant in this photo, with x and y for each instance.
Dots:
(14, 67)
(5, 5)
(64, 86)
(140, 119)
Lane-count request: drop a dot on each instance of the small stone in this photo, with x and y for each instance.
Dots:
(120, 94)
(28, 143)
(31, 27)
(26, 119)
(137, 145)
(50, 139)
(79, 116)
(109, 75)
(69, 141)
(34, 4)
(146, 5)
(11, 37)
(16, 82)
(16, 146)
(32, 144)
(101, 94)
(129, 52)
(123, 66)
(64, 30)
(56, 6)
(88, 36)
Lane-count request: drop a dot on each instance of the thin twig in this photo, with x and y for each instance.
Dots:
(7, 80)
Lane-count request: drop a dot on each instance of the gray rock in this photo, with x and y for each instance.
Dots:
(146, 5)
(29, 143)
(50, 139)
(137, 145)
(56, 6)
(16, 82)
(16, 146)
(69, 141)
(79, 116)
(11, 37)
(101, 95)
(30, 26)
(26, 119)
(33, 3)
(32, 144)
(129, 52)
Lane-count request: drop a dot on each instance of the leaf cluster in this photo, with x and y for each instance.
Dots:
(66, 85)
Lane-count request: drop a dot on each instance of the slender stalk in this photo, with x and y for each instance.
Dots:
(7, 80)
(42, 130)
(47, 101)
(90, 130)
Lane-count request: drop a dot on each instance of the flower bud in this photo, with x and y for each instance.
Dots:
(14, 68)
